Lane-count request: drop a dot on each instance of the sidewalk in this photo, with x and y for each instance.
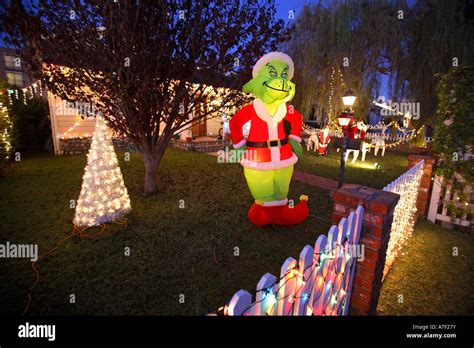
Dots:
(315, 180)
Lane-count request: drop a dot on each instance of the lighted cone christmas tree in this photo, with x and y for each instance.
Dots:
(104, 196)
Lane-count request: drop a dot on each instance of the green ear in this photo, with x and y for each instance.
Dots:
(292, 88)
(249, 87)
(255, 86)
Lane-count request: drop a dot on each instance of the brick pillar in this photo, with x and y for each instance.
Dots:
(424, 191)
(378, 215)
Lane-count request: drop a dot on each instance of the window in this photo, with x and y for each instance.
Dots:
(12, 62)
(15, 79)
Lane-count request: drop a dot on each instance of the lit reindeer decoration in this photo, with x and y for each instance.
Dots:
(312, 142)
(406, 119)
(379, 142)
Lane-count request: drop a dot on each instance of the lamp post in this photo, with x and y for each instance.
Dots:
(344, 120)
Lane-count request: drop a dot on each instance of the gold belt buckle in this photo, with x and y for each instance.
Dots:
(277, 140)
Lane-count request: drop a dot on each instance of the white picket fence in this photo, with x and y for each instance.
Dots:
(320, 283)
(404, 216)
(390, 139)
(374, 135)
(443, 194)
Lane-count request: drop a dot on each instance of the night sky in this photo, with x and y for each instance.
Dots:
(283, 7)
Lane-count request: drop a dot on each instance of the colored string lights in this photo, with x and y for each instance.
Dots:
(322, 291)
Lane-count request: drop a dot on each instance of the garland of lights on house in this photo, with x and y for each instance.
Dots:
(29, 92)
(104, 197)
(69, 130)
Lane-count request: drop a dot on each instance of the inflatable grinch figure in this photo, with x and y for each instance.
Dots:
(273, 143)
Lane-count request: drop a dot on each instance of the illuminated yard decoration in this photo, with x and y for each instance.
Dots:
(273, 143)
(5, 131)
(404, 216)
(320, 283)
(104, 196)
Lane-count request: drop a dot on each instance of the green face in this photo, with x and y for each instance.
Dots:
(271, 85)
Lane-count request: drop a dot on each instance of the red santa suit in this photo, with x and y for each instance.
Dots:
(267, 129)
(352, 131)
(324, 140)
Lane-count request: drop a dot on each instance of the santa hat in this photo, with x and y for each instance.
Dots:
(274, 56)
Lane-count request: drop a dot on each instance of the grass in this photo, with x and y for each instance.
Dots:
(393, 164)
(191, 251)
(430, 278)
(172, 249)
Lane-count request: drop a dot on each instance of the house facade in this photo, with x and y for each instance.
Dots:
(72, 126)
(11, 69)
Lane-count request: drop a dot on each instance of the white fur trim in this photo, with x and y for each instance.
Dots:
(269, 165)
(275, 203)
(264, 115)
(272, 123)
(295, 137)
(273, 134)
(272, 56)
(240, 143)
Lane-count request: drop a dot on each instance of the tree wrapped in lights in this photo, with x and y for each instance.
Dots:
(5, 129)
(103, 197)
(6, 124)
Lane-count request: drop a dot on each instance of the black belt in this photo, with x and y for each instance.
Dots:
(268, 143)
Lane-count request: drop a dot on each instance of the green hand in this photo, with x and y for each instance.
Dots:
(238, 153)
(296, 147)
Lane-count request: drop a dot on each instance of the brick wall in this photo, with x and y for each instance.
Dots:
(200, 146)
(424, 191)
(378, 215)
(82, 145)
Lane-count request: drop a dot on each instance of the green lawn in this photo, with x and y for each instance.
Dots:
(172, 249)
(191, 251)
(393, 164)
(430, 278)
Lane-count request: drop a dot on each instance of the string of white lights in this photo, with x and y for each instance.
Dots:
(104, 196)
(28, 92)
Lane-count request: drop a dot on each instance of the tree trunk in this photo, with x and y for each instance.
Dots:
(152, 155)
(151, 158)
(150, 174)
